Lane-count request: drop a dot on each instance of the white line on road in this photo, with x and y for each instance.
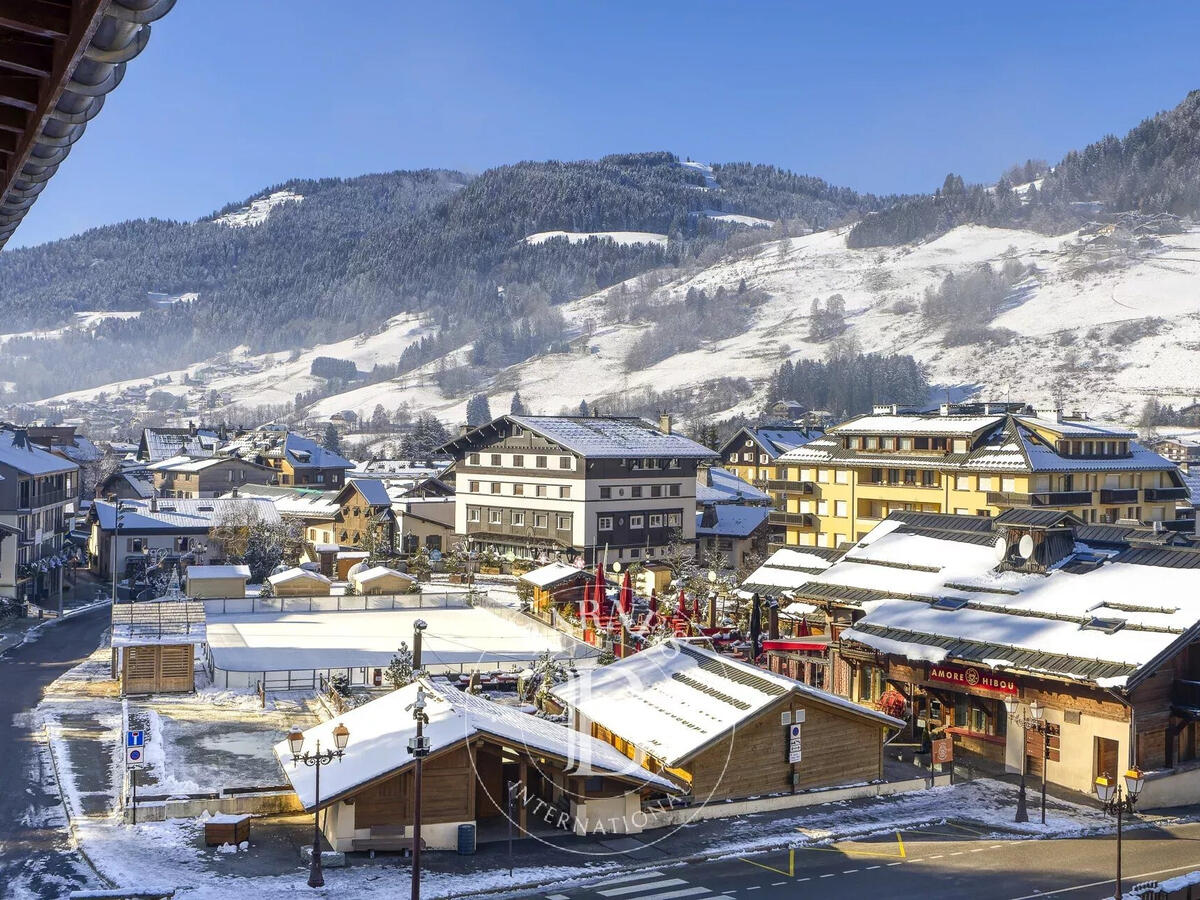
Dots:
(556, 897)
(682, 892)
(869, 868)
(938, 856)
(777, 883)
(850, 871)
(1080, 887)
(979, 849)
(635, 888)
(830, 875)
(805, 878)
(894, 864)
(636, 876)
(959, 853)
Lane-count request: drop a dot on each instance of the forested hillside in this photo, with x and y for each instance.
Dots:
(351, 253)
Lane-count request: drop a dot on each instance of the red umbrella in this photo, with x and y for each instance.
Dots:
(683, 610)
(625, 597)
(803, 630)
(600, 590)
(696, 608)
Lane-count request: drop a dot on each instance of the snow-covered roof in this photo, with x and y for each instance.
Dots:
(727, 487)
(164, 443)
(199, 572)
(1100, 613)
(298, 574)
(373, 490)
(732, 520)
(380, 732)
(774, 439)
(674, 699)
(787, 569)
(173, 514)
(28, 458)
(188, 464)
(551, 574)
(277, 442)
(1077, 428)
(292, 501)
(594, 436)
(376, 572)
(916, 424)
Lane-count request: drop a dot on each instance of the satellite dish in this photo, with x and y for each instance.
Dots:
(1025, 547)
(1001, 546)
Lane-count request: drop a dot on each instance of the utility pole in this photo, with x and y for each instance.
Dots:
(419, 748)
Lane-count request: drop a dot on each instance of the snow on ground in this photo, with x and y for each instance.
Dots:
(617, 237)
(736, 219)
(710, 182)
(85, 321)
(258, 210)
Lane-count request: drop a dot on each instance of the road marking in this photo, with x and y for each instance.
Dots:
(957, 853)
(636, 876)
(791, 869)
(869, 868)
(830, 875)
(805, 878)
(1080, 887)
(556, 897)
(777, 883)
(850, 871)
(846, 851)
(894, 864)
(633, 889)
(670, 895)
(754, 887)
(938, 856)
(979, 849)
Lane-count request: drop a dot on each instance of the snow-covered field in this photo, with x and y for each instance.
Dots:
(85, 321)
(617, 237)
(258, 210)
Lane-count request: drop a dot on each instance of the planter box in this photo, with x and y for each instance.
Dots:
(226, 828)
(489, 570)
(456, 579)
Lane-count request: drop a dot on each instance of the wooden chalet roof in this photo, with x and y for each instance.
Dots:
(58, 61)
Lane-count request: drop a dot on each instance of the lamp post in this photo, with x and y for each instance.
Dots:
(1117, 803)
(418, 746)
(121, 509)
(1034, 719)
(341, 736)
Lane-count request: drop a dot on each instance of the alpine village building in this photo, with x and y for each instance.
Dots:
(598, 487)
(751, 453)
(296, 459)
(945, 617)
(976, 460)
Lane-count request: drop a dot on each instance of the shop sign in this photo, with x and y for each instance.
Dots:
(973, 677)
(943, 750)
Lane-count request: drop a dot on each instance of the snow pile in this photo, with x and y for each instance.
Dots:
(258, 210)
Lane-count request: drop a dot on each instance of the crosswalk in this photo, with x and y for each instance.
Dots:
(648, 885)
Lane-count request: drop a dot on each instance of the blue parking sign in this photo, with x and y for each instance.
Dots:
(135, 738)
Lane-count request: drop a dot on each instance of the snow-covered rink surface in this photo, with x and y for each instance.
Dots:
(458, 639)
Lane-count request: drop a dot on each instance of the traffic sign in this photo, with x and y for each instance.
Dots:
(135, 738)
(135, 757)
(793, 743)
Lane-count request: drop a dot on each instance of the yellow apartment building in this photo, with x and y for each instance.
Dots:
(971, 461)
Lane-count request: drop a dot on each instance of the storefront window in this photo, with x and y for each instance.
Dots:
(960, 711)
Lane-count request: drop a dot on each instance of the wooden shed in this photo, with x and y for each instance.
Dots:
(154, 645)
(382, 580)
(204, 582)
(733, 731)
(299, 583)
(557, 584)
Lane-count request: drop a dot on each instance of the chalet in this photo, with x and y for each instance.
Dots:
(1181, 449)
(718, 485)
(203, 582)
(297, 460)
(556, 584)
(424, 522)
(750, 453)
(1099, 624)
(315, 510)
(476, 749)
(299, 582)
(577, 486)
(734, 533)
(158, 444)
(381, 580)
(364, 517)
(215, 476)
(726, 729)
(38, 494)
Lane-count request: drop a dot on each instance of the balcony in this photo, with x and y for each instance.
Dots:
(1041, 498)
(791, 487)
(1118, 495)
(1185, 694)
(804, 520)
(1168, 493)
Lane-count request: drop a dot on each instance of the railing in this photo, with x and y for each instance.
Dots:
(805, 520)
(340, 603)
(1185, 694)
(1168, 493)
(1040, 498)
(791, 487)
(1119, 495)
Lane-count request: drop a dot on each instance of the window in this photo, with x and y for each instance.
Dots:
(823, 476)
(960, 445)
(495, 459)
(985, 482)
(540, 520)
(960, 710)
(518, 518)
(473, 459)
(473, 514)
(672, 490)
(842, 476)
(839, 509)
(887, 443)
(605, 523)
(928, 478)
(1008, 484)
(961, 511)
(518, 460)
(822, 507)
(605, 493)
(636, 521)
(564, 492)
(517, 431)
(473, 487)
(962, 482)
(564, 462)
(563, 523)
(495, 487)
(656, 520)
(978, 720)
(872, 443)
(656, 490)
(494, 516)
(540, 462)
(674, 520)
(635, 491)
(518, 489)
(540, 491)
(906, 443)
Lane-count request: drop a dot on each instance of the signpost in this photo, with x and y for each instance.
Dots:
(135, 758)
(793, 738)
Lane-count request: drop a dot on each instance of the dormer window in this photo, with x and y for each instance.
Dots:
(887, 443)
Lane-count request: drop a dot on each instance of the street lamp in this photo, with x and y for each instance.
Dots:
(341, 737)
(1117, 803)
(121, 508)
(1034, 720)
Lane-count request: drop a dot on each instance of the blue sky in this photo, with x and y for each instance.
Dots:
(234, 95)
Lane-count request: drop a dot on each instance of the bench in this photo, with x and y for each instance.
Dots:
(386, 838)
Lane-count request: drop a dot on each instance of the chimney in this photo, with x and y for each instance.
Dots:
(464, 428)
(664, 423)
(233, 493)
(191, 429)
(1052, 413)
(773, 620)
(945, 409)
(153, 503)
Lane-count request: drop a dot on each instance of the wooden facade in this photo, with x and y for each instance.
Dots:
(158, 669)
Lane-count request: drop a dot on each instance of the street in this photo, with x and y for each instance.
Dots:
(35, 850)
(941, 861)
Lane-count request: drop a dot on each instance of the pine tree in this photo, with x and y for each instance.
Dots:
(332, 441)
(583, 408)
(400, 669)
(518, 407)
(479, 411)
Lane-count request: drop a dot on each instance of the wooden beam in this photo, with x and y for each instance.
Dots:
(20, 91)
(8, 142)
(13, 119)
(26, 55)
(52, 20)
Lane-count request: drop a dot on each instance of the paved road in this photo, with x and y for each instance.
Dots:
(35, 856)
(948, 861)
